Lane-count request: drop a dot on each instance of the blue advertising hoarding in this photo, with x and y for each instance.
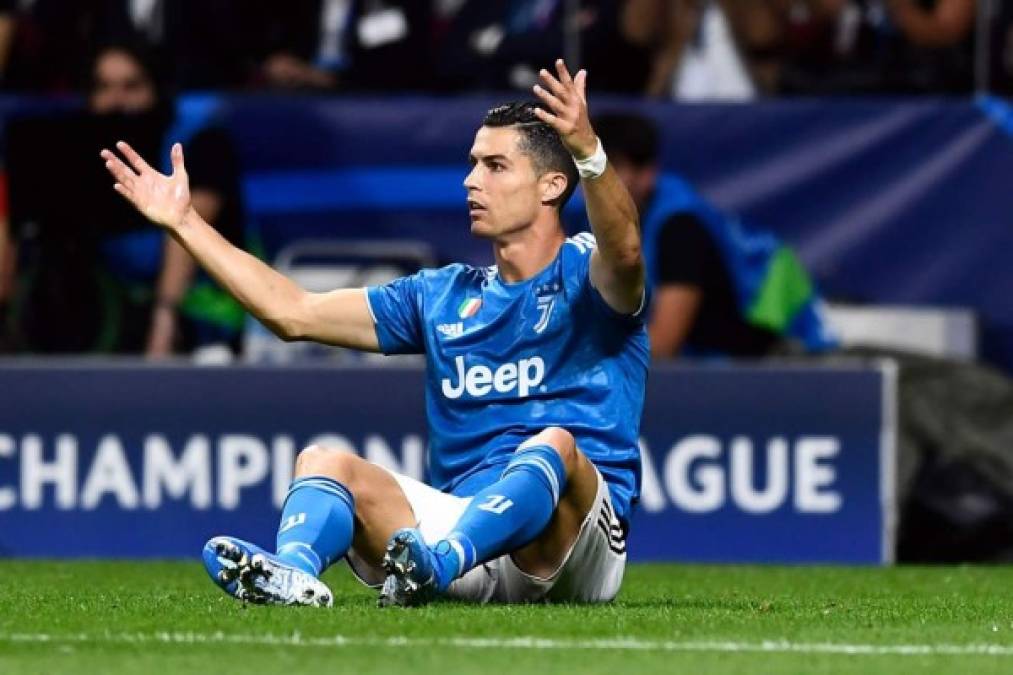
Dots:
(741, 464)
(768, 464)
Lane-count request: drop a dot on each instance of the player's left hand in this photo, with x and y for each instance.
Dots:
(566, 98)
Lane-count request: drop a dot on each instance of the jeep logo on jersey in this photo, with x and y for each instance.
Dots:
(479, 380)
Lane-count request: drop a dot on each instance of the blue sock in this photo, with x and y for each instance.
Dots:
(506, 515)
(317, 522)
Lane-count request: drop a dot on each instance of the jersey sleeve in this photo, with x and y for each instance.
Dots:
(582, 245)
(397, 312)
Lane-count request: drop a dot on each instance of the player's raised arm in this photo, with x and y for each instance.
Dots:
(617, 266)
(340, 317)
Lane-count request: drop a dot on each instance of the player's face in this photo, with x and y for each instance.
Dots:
(504, 194)
(121, 85)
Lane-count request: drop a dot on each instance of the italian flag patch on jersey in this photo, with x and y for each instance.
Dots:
(469, 308)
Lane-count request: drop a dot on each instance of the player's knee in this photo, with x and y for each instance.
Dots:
(561, 441)
(317, 460)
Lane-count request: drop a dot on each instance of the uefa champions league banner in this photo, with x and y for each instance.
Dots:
(741, 464)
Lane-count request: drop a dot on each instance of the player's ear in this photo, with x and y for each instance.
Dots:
(552, 185)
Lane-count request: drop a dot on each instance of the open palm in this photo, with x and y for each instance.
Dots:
(164, 200)
(565, 98)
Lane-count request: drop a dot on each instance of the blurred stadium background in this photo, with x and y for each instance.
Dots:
(141, 412)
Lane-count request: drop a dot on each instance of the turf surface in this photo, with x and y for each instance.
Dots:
(166, 617)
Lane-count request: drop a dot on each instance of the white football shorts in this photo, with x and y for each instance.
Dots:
(591, 571)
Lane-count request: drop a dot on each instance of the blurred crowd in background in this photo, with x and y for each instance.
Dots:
(682, 49)
(111, 283)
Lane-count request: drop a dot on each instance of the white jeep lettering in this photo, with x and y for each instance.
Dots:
(449, 390)
(506, 377)
(530, 374)
(479, 380)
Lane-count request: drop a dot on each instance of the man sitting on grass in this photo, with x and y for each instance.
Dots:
(536, 370)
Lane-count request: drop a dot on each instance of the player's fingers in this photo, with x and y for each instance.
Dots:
(564, 74)
(581, 82)
(126, 193)
(177, 159)
(110, 156)
(552, 84)
(123, 190)
(136, 161)
(548, 118)
(554, 103)
(120, 171)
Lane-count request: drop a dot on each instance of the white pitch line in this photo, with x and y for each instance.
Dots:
(617, 644)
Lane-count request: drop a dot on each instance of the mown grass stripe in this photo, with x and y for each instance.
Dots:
(614, 644)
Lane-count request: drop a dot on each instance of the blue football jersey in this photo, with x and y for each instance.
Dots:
(505, 360)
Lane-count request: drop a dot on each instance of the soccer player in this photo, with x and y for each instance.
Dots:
(536, 370)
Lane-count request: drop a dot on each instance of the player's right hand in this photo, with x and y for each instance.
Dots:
(164, 200)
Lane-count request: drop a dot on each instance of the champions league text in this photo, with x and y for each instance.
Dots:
(699, 473)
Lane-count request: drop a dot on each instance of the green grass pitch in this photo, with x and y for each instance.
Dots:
(166, 618)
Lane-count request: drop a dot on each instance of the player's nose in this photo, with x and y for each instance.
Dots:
(471, 181)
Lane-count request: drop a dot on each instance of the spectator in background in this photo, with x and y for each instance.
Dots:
(344, 44)
(302, 45)
(931, 45)
(7, 24)
(96, 279)
(498, 44)
(1001, 56)
(124, 83)
(933, 24)
(737, 49)
(881, 46)
(197, 44)
(719, 288)
(702, 48)
(49, 41)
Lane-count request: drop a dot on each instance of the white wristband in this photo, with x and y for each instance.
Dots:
(593, 166)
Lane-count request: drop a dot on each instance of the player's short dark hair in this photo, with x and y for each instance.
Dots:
(539, 141)
(629, 137)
